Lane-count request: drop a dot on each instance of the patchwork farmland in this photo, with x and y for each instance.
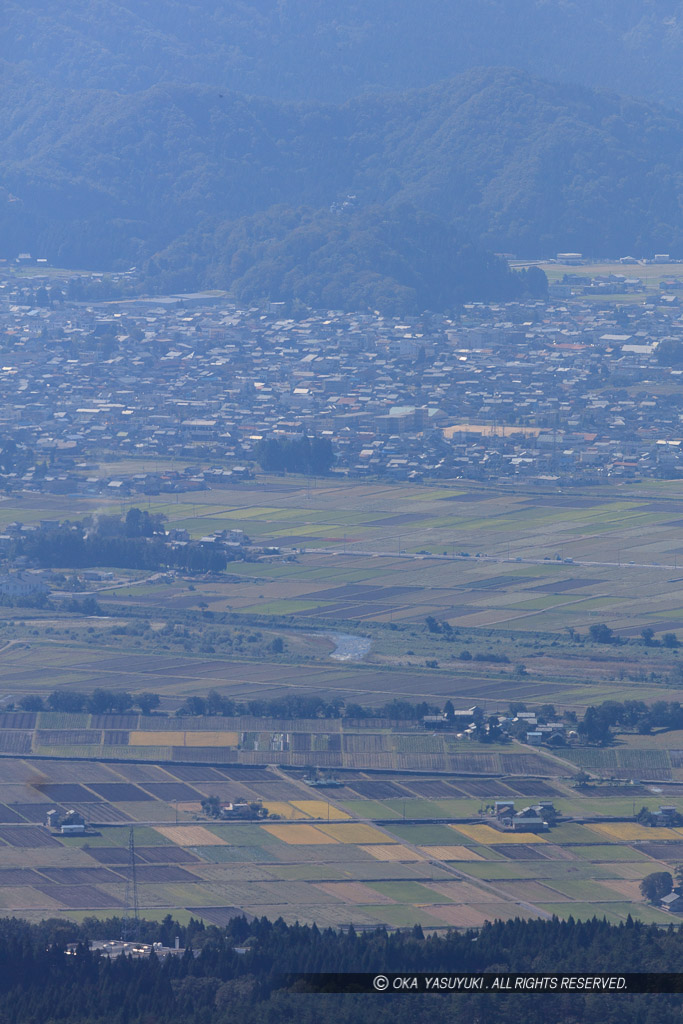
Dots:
(356, 853)
(513, 582)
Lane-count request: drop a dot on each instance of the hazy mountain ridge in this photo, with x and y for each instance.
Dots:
(309, 49)
(519, 165)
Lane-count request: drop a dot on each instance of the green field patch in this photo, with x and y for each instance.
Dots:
(460, 808)
(148, 810)
(401, 916)
(491, 870)
(623, 807)
(571, 833)
(408, 892)
(181, 894)
(83, 842)
(632, 871)
(370, 809)
(671, 739)
(246, 835)
(644, 913)
(425, 835)
(586, 890)
(415, 808)
(611, 852)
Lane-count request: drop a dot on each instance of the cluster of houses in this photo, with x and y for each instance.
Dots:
(524, 725)
(570, 388)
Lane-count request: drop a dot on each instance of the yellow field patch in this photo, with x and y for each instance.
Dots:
(156, 739)
(299, 835)
(321, 809)
(355, 834)
(190, 835)
(283, 809)
(394, 852)
(140, 738)
(451, 853)
(490, 836)
(629, 830)
(211, 739)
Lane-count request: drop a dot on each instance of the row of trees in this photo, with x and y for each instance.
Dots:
(296, 706)
(102, 701)
(99, 702)
(600, 633)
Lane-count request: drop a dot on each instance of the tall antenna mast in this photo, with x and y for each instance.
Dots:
(130, 927)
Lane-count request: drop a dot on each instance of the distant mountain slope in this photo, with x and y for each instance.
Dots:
(103, 179)
(317, 50)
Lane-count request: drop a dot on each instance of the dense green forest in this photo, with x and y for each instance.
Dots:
(302, 49)
(39, 984)
(388, 201)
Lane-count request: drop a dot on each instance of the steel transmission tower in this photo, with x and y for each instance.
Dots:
(131, 914)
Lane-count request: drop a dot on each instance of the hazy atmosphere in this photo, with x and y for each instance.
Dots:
(341, 495)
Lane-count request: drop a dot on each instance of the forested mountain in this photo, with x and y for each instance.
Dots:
(313, 49)
(38, 983)
(165, 178)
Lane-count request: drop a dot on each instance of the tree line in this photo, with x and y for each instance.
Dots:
(597, 726)
(103, 701)
(213, 983)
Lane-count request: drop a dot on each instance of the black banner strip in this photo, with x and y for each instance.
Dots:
(454, 982)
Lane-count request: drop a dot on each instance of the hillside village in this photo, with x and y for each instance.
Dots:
(567, 389)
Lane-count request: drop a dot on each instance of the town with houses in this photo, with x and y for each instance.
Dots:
(574, 389)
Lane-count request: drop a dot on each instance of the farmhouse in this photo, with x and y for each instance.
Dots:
(528, 823)
(672, 902)
(21, 584)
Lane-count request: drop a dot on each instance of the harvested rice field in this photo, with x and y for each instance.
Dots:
(394, 852)
(629, 831)
(487, 835)
(190, 835)
(355, 833)
(299, 835)
(451, 853)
